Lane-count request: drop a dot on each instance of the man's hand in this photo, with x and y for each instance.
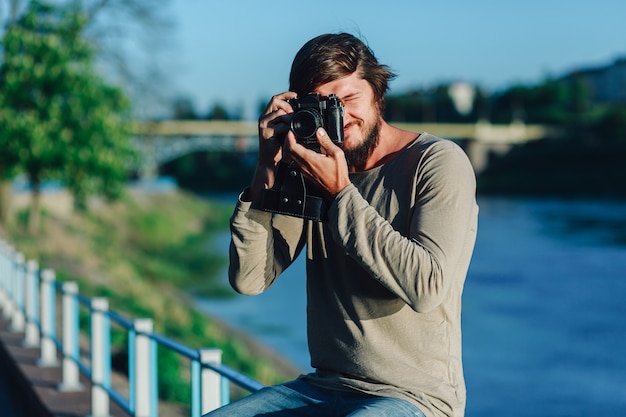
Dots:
(273, 126)
(329, 169)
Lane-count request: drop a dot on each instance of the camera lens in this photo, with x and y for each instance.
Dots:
(304, 123)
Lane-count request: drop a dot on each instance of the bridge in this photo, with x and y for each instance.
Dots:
(162, 141)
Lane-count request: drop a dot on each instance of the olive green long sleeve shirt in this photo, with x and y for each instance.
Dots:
(385, 275)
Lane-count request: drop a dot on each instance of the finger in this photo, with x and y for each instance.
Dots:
(274, 125)
(291, 143)
(327, 144)
(279, 102)
(272, 118)
(290, 148)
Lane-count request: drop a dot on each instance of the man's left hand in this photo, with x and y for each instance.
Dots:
(329, 168)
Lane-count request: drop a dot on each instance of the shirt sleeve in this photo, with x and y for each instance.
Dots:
(262, 246)
(419, 265)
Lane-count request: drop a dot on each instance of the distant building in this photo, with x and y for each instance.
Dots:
(606, 84)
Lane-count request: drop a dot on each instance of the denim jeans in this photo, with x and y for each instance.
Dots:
(301, 399)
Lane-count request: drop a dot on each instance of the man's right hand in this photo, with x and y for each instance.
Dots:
(273, 126)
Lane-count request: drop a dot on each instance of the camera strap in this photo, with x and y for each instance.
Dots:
(292, 195)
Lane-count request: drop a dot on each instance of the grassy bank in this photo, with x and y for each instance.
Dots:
(146, 253)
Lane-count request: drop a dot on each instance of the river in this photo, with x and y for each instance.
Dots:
(544, 310)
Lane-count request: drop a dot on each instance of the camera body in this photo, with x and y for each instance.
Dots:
(291, 194)
(314, 111)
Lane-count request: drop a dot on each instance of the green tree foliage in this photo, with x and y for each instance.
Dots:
(218, 112)
(550, 102)
(208, 172)
(433, 105)
(183, 109)
(588, 160)
(611, 124)
(58, 118)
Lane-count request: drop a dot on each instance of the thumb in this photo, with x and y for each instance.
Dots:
(325, 141)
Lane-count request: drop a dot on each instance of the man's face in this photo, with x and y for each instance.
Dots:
(361, 116)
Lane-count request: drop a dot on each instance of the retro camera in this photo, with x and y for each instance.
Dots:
(314, 111)
(292, 194)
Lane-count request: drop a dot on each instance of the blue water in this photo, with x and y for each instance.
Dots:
(544, 313)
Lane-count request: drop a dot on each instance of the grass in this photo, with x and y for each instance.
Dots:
(147, 253)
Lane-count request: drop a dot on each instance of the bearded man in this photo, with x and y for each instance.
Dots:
(385, 272)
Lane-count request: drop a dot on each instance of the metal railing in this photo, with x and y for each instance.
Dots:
(28, 298)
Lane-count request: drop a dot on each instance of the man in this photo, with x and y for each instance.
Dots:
(385, 272)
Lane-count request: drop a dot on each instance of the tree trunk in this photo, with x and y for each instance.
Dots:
(34, 218)
(5, 201)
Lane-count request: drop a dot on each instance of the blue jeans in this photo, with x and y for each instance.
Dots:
(301, 399)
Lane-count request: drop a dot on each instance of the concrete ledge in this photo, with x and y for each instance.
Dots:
(19, 398)
(34, 389)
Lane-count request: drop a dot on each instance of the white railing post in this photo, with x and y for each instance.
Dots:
(17, 275)
(9, 288)
(196, 387)
(211, 380)
(31, 337)
(71, 352)
(48, 320)
(145, 372)
(100, 357)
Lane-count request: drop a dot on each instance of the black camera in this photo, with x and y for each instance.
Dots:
(314, 111)
(292, 194)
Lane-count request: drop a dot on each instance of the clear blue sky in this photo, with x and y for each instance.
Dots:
(239, 52)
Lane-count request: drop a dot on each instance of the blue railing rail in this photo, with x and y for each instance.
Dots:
(28, 298)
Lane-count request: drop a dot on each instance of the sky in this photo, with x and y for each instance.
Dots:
(239, 52)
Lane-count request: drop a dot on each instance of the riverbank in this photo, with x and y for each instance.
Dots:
(149, 254)
(574, 168)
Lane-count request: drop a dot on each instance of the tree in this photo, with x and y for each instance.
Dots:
(58, 118)
(432, 105)
(218, 112)
(557, 102)
(183, 109)
(129, 37)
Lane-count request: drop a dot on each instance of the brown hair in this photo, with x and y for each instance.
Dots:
(332, 56)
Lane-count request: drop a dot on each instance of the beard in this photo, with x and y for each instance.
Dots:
(357, 157)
